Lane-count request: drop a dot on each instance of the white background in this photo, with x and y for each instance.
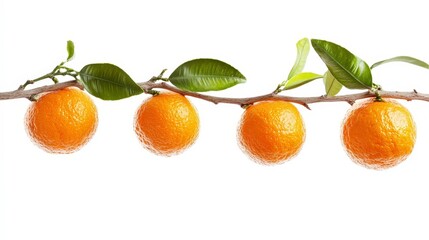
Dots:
(114, 189)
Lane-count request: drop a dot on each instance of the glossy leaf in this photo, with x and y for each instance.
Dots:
(405, 59)
(332, 86)
(301, 79)
(302, 48)
(70, 50)
(108, 82)
(201, 75)
(348, 69)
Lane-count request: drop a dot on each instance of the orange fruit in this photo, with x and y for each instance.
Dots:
(62, 121)
(378, 134)
(271, 131)
(166, 124)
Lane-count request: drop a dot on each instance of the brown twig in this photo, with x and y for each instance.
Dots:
(304, 101)
(31, 92)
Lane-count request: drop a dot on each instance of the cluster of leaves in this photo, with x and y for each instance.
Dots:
(344, 69)
(109, 82)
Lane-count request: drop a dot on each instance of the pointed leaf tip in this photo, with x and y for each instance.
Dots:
(302, 49)
(405, 59)
(201, 75)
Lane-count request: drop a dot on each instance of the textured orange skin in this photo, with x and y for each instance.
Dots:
(62, 121)
(378, 135)
(166, 124)
(271, 132)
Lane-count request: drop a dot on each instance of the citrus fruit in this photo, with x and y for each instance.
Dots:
(271, 131)
(62, 121)
(378, 134)
(166, 124)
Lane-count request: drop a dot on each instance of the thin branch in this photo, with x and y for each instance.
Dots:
(304, 101)
(31, 92)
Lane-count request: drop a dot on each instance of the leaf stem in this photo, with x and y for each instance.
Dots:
(159, 77)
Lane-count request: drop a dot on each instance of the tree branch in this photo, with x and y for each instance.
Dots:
(29, 93)
(304, 101)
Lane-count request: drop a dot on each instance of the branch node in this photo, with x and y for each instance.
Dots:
(351, 102)
(33, 98)
(278, 90)
(153, 92)
(306, 105)
(245, 106)
(162, 73)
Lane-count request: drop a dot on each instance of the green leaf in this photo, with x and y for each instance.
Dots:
(200, 75)
(348, 69)
(70, 50)
(302, 48)
(405, 59)
(332, 86)
(301, 79)
(108, 82)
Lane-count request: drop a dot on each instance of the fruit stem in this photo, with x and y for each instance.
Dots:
(153, 92)
(245, 106)
(376, 89)
(378, 98)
